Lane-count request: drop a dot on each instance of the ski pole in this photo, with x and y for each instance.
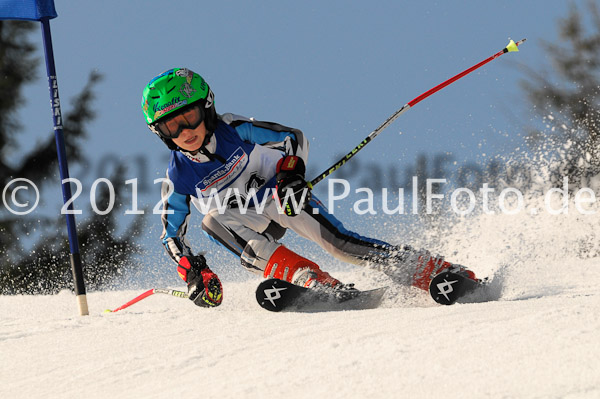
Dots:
(512, 46)
(179, 294)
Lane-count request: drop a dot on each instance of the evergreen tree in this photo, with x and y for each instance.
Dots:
(44, 266)
(568, 98)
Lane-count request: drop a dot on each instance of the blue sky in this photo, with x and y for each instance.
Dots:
(335, 69)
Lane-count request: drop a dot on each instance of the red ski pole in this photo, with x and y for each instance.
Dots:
(512, 46)
(179, 294)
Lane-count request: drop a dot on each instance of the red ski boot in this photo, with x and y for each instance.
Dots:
(289, 266)
(428, 267)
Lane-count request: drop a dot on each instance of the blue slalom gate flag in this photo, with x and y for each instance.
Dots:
(27, 10)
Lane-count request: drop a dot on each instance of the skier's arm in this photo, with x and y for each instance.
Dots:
(175, 216)
(289, 140)
(204, 286)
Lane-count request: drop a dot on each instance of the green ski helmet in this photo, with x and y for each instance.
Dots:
(173, 90)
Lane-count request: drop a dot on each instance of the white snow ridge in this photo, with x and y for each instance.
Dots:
(539, 339)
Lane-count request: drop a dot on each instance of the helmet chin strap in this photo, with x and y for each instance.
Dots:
(212, 157)
(204, 151)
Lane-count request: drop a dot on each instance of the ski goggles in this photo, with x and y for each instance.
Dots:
(188, 118)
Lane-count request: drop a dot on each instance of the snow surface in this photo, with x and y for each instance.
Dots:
(539, 339)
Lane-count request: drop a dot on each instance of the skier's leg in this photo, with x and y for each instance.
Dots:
(253, 238)
(403, 264)
(318, 225)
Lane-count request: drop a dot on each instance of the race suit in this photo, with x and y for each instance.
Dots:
(232, 184)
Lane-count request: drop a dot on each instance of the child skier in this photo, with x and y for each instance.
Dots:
(247, 177)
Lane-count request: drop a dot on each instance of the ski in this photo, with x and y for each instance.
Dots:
(279, 295)
(447, 288)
